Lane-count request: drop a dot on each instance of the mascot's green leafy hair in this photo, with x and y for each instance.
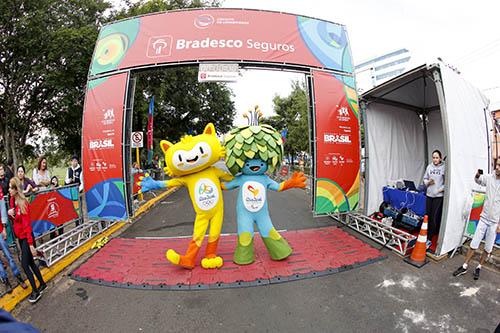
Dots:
(253, 142)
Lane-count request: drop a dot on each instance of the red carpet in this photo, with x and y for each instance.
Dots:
(141, 263)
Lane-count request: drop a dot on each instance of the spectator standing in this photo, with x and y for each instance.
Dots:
(156, 162)
(74, 172)
(41, 174)
(9, 169)
(22, 228)
(4, 186)
(488, 224)
(5, 249)
(136, 169)
(434, 180)
(28, 186)
(4, 180)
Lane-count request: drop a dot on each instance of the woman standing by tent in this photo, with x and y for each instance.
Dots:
(434, 180)
(22, 228)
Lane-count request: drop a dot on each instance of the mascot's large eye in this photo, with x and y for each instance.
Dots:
(180, 158)
(201, 150)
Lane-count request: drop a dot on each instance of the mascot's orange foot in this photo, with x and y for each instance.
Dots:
(210, 263)
(183, 261)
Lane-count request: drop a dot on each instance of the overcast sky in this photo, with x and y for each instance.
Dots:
(465, 34)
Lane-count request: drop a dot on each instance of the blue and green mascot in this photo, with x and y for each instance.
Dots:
(251, 151)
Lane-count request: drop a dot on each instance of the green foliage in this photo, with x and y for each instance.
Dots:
(136, 8)
(45, 49)
(253, 142)
(292, 113)
(182, 104)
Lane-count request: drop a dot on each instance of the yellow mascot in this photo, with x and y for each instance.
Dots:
(190, 163)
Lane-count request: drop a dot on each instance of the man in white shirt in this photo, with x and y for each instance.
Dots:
(488, 224)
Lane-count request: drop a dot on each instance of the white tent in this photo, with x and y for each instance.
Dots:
(427, 108)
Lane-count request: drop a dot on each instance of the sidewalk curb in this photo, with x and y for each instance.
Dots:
(9, 301)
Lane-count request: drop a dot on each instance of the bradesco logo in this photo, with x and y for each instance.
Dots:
(159, 46)
(204, 21)
(337, 138)
(101, 144)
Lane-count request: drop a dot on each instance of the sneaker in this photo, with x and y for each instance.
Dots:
(21, 282)
(460, 271)
(42, 288)
(34, 297)
(476, 273)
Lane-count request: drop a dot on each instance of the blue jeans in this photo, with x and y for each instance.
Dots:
(3, 212)
(12, 263)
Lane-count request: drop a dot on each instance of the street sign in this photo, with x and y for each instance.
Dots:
(137, 140)
(218, 72)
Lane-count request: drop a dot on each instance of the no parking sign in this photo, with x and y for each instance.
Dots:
(137, 140)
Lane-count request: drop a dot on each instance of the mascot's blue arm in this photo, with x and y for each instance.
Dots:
(232, 184)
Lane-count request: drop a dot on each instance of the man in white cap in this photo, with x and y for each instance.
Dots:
(488, 223)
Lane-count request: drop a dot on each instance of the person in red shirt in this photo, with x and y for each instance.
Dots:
(22, 229)
(5, 249)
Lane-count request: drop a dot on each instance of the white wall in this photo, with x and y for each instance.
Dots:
(395, 149)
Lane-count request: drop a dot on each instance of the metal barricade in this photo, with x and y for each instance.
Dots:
(60, 209)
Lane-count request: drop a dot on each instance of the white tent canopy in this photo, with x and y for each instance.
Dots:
(430, 107)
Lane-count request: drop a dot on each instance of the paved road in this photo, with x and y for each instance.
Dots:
(388, 296)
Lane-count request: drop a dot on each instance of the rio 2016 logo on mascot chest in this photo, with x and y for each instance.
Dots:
(251, 151)
(190, 162)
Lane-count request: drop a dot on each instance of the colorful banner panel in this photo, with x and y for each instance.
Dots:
(50, 209)
(475, 215)
(102, 148)
(222, 34)
(337, 144)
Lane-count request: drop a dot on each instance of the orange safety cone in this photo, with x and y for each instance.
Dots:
(418, 256)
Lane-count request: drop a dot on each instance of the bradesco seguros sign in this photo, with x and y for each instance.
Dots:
(214, 34)
(223, 36)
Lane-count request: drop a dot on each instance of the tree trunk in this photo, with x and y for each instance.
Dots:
(6, 143)
(11, 144)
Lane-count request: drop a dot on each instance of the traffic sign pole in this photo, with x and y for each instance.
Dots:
(141, 196)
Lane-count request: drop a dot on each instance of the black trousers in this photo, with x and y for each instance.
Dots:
(434, 210)
(28, 264)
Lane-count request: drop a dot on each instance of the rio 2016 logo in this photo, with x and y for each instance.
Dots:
(253, 190)
(204, 21)
(205, 189)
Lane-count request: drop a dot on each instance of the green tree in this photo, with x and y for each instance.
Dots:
(136, 8)
(45, 50)
(182, 104)
(292, 114)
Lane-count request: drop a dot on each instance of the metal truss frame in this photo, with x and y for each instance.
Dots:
(59, 247)
(392, 238)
